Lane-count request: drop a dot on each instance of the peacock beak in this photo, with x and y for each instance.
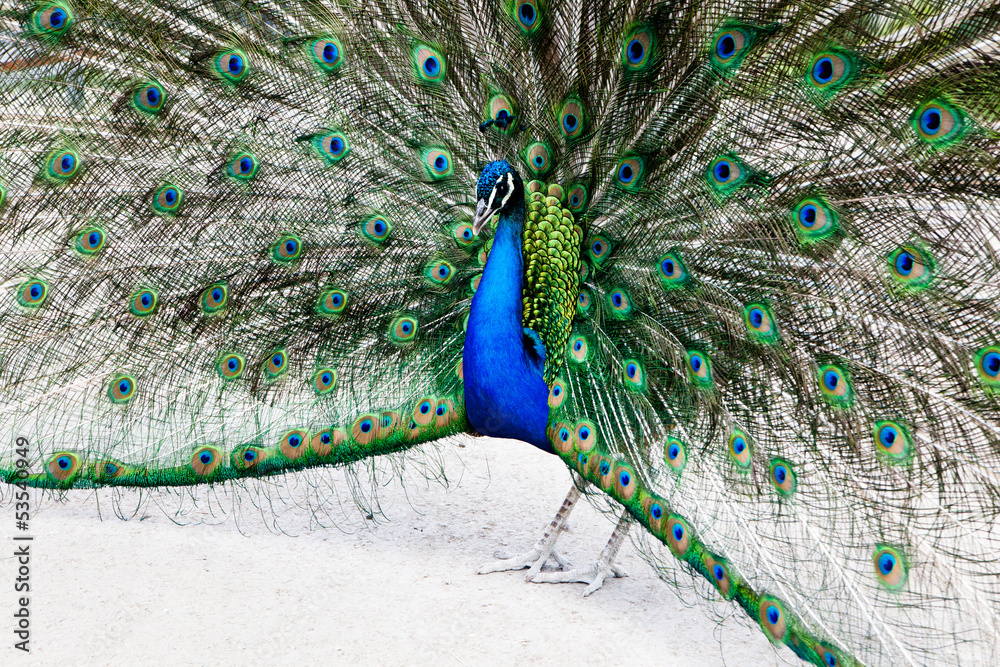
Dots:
(483, 214)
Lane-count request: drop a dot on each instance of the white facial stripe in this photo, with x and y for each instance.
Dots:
(493, 194)
(510, 189)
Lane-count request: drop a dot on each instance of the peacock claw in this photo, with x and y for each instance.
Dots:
(594, 575)
(544, 548)
(534, 560)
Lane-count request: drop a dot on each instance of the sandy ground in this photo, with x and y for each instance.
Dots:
(399, 589)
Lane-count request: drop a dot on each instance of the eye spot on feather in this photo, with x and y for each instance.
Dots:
(276, 364)
(572, 119)
(376, 229)
(332, 147)
(429, 64)
(324, 381)
(403, 329)
(830, 71)
(363, 429)
(828, 655)
(439, 272)
(121, 389)
(561, 438)
(557, 393)
(63, 466)
(782, 477)
(287, 249)
(938, 123)
(653, 509)
(584, 464)
(331, 302)
(214, 299)
(699, 369)
(583, 303)
(168, 199)
(634, 374)
(728, 46)
(772, 618)
(577, 197)
(890, 567)
(463, 235)
(537, 156)
(725, 171)
(63, 165)
(625, 485)
(52, 19)
(292, 444)
(32, 293)
(108, 470)
(248, 457)
(629, 172)
(719, 574)
(835, 385)
(760, 323)
(578, 349)
(149, 98)
(231, 366)
(725, 174)
(388, 424)
(323, 443)
(528, 15)
(673, 274)
(327, 53)
(675, 454)
(599, 248)
(813, 220)
(437, 162)
(444, 413)
(988, 366)
(678, 535)
(739, 449)
(501, 109)
(231, 65)
(90, 241)
(637, 50)
(243, 167)
(143, 303)
(205, 460)
(605, 478)
(893, 442)
(911, 267)
(585, 436)
(620, 303)
(823, 70)
(424, 411)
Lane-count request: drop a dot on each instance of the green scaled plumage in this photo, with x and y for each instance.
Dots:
(760, 254)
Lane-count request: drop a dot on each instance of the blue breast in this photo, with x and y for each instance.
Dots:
(505, 394)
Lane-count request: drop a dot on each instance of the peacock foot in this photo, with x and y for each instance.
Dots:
(595, 574)
(534, 560)
(544, 549)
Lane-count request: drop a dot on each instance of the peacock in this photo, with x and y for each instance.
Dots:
(735, 263)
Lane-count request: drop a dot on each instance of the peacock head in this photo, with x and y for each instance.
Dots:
(500, 189)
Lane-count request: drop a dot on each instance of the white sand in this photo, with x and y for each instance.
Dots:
(401, 592)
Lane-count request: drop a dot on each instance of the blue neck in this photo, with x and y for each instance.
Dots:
(505, 395)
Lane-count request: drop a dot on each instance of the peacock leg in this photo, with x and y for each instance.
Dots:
(596, 573)
(544, 548)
